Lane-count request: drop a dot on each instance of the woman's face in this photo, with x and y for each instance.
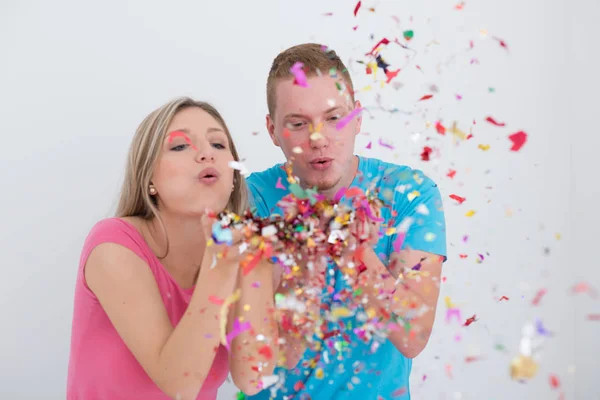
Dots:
(193, 172)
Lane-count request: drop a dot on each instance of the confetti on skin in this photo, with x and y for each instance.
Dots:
(238, 328)
(459, 199)
(299, 75)
(215, 300)
(426, 97)
(518, 139)
(344, 121)
(185, 137)
(470, 320)
(357, 7)
(223, 315)
(492, 121)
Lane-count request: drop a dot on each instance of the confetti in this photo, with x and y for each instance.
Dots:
(299, 75)
(470, 320)
(426, 153)
(538, 297)
(344, 121)
(238, 328)
(503, 298)
(470, 213)
(459, 199)
(216, 300)
(492, 121)
(279, 185)
(223, 315)
(518, 140)
(357, 7)
(408, 35)
(426, 97)
(554, 382)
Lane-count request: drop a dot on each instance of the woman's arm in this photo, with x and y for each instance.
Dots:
(254, 350)
(178, 358)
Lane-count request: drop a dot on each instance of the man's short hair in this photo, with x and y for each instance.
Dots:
(317, 59)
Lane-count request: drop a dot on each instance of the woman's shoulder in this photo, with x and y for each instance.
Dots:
(124, 231)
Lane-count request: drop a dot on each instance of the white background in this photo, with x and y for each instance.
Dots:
(76, 78)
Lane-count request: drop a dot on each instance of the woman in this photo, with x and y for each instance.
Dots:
(151, 283)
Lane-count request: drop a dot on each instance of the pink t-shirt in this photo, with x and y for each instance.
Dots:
(101, 367)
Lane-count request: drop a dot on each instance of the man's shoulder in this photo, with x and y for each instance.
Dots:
(265, 176)
(388, 173)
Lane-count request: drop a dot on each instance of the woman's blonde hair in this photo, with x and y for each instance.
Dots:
(135, 200)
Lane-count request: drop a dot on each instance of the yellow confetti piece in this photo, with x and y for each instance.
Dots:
(390, 231)
(246, 307)
(483, 32)
(470, 213)
(484, 147)
(523, 367)
(223, 314)
(457, 132)
(366, 88)
(418, 178)
(340, 312)
(319, 373)
(412, 195)
(558, 236)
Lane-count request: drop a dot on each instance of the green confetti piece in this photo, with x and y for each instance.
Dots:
(358, 292)
(408, 35)
(279, 298)
(297, 191)
(333, 72)
(338, 86)
(491, 90)
(240, 396)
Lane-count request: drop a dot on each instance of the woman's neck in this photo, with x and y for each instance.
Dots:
(182, 240)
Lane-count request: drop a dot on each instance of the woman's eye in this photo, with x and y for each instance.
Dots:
(335, 117)
(179, 147)
(219, 146)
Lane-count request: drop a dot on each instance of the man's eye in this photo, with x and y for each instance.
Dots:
(291, 125)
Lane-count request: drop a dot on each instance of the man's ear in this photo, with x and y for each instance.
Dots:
(271, 129)
(358, 118)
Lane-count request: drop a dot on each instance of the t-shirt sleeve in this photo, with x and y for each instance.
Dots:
(258, 203)
(420, 220)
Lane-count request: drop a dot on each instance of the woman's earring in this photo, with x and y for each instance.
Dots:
(152, 190)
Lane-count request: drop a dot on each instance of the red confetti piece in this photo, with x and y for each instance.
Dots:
(503, 298)
(554, 382)
(266, 352)
(502, 42)
(357, 7)
(440, 128)
(538, 297)
(185, 137)
(451, 174)
(492, 121)
(391, 75)
(384, 41)
(399, 392)
(471, 359)
(593, 317)
(470, 320)
(426, 153)
(298, 386)
(460, 6)
(426, 97)
(457, 198)
(216, 300)
(518, 139)
(463, 256)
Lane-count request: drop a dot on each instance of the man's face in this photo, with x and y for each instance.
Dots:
(304, 126)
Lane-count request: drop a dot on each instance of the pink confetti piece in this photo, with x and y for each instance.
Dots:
(492, 121)
(340, 193)
(369, 145)
(185, 137)
(399, 392)
(279, 185)
(299, 75)
(399, 241)
(238, 328)
(344, 121)
(453, 312)
(386, 145)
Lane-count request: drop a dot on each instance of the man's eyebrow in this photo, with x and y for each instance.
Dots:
(296, 115)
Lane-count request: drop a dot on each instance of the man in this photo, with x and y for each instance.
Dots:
(313, 118)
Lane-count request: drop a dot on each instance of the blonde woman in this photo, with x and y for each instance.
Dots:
(149, 290)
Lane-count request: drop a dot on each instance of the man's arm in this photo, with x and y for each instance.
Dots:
(409, 292)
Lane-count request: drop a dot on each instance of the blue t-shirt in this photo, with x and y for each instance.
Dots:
(348, 367)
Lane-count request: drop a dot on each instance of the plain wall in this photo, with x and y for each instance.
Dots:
(76, 78)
